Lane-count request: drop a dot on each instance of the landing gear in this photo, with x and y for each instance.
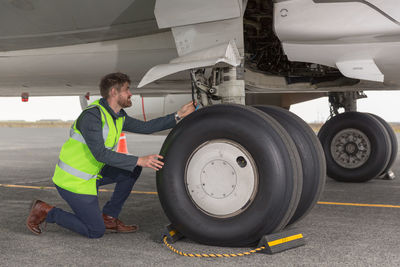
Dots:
(357, 147)
(231, 175)
(234, 173)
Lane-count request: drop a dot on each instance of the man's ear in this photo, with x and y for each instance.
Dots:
(113, 92)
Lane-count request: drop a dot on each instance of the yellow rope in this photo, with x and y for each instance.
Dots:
(212, 255)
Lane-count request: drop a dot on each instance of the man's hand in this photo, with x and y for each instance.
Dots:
(186, 109)
(151, 161)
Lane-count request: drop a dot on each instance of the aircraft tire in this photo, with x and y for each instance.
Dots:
(356, 145)
(203, 201)
(393, 141)
(311, 155)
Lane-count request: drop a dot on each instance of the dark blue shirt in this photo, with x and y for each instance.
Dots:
(89, 124)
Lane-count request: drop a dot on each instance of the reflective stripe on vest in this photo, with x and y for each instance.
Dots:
(78, 137)
(74, 171)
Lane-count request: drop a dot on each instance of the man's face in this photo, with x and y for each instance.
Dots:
(124, 96)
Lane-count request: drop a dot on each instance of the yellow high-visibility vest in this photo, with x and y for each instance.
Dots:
(77, 169)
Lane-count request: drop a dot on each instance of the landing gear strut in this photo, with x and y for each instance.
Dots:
(345, 100)
(225, 85)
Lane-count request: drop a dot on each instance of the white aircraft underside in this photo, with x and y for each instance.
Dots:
(48, 52)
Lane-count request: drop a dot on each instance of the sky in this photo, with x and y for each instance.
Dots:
(40, 108)
(385, 104)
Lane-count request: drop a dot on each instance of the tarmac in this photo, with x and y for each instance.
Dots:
(336, 234)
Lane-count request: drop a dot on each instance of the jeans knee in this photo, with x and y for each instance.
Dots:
(97, 232)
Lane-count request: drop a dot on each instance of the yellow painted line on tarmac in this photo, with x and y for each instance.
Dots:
(27, 186)
(136, 192)
(52, 187)
(358, 205)
(155, 193)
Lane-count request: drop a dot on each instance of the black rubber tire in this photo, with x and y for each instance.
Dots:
(375, 132)
(311, 155)
(393, 141)
(276, 159)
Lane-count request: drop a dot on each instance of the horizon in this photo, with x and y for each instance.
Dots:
(67, 108)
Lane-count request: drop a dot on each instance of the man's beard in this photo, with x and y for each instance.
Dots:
(124, 103)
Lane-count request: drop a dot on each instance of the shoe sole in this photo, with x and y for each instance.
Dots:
(113, 231)
(30, 211)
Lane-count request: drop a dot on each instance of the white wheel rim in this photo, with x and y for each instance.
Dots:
(350, 148)
(221, 178)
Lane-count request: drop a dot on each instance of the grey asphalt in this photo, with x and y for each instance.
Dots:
(336, 235)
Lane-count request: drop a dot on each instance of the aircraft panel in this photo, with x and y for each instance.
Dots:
(48, 23)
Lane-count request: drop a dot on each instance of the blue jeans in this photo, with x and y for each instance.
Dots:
(87, 218)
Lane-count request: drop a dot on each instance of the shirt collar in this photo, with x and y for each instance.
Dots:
(105, 104)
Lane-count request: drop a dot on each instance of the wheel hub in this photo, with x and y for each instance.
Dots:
(350, 148)
(218, 179)
(221, 178)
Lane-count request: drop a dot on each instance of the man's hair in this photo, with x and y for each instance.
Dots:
(111, 80)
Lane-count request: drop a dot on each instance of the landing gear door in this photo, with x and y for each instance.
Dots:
(173, 13)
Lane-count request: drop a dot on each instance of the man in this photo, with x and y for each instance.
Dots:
(87, 160)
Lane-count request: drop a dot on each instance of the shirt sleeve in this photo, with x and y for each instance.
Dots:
(89, 124)
(147, 127)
